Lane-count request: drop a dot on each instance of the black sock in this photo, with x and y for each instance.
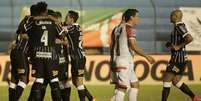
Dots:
(36, 94)
(19, 91)
(55, 91)
(88, 94)
(184, 88)
(11, 94)
(65, 94)
(81, 94)
(165, 93)
(43, 91)
(30, 98)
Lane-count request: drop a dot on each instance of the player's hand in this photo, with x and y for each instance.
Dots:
(150, 59)
(58, 41)
(169, 45)
(176, 47)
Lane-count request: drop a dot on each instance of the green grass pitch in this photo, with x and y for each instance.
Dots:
(103, 92)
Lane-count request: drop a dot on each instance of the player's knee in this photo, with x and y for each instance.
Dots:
(135, 84)
(54, 86)
(174, 82)
(78, 81)
(64, 84)
(25, 79)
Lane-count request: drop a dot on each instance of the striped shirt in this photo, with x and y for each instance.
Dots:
(75, 37)
(177, 37)
(120, 41)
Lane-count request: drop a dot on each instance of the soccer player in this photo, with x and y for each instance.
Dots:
(113, 75)
(42, 36)
(19, 61)
(125, 42)
(180, 37)
(77, 54)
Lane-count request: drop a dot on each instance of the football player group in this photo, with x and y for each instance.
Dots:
(50, 45)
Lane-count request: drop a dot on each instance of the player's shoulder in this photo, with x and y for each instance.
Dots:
(180, 24)
(77, 27)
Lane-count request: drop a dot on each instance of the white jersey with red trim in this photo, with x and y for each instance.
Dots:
(122, 34)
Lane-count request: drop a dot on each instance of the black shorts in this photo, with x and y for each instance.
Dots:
(44, 68)
(78, 66)
(176, 68)
(19, 64)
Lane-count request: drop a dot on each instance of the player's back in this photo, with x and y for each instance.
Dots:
(43, 33)
(122, 48)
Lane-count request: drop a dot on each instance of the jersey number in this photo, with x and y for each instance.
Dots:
(44, 38)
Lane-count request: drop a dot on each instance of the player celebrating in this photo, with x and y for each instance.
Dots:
(77, 54)
(125, 42)
(180, 37)
(42, 36)
(19, 61)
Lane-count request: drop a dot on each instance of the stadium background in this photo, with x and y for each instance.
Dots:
(98, 17)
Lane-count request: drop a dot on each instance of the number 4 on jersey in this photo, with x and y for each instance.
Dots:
(44, 38)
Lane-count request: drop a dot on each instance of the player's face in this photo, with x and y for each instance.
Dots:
(173, 18)
(136, 19)
(69, 20)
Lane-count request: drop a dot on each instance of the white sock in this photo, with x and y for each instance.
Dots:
(113, 97)
(119, 96)
(133, 92)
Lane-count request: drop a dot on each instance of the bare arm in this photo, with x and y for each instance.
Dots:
(187, 39)
(139, 51)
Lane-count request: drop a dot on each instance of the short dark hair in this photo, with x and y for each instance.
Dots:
(130, 12)
(51, 12)
(74, 15)
(58, 14)
(34, 10)
(42, 6)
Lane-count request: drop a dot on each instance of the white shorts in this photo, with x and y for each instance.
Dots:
(125, 72)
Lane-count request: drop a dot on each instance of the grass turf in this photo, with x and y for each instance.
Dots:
(103, 92)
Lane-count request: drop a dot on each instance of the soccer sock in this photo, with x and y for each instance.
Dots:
(119, 96)
(55, 90)
(166, 90)
(43, 91)
(36, 94)
(133, 92)
(19, 89)
(88, 95)
(65, 94)
(30, 98)
(11, 91)
(184, 88)
(113, 97)
(81, 92)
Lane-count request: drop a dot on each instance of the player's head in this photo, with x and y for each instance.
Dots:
(51, 12)
(58, 15)
(176, 16)
(33, 10)
(132, 16)
(123, 18)
(42, 8)
(72, 17)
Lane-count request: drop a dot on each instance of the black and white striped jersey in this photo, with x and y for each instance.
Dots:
(177, 37)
